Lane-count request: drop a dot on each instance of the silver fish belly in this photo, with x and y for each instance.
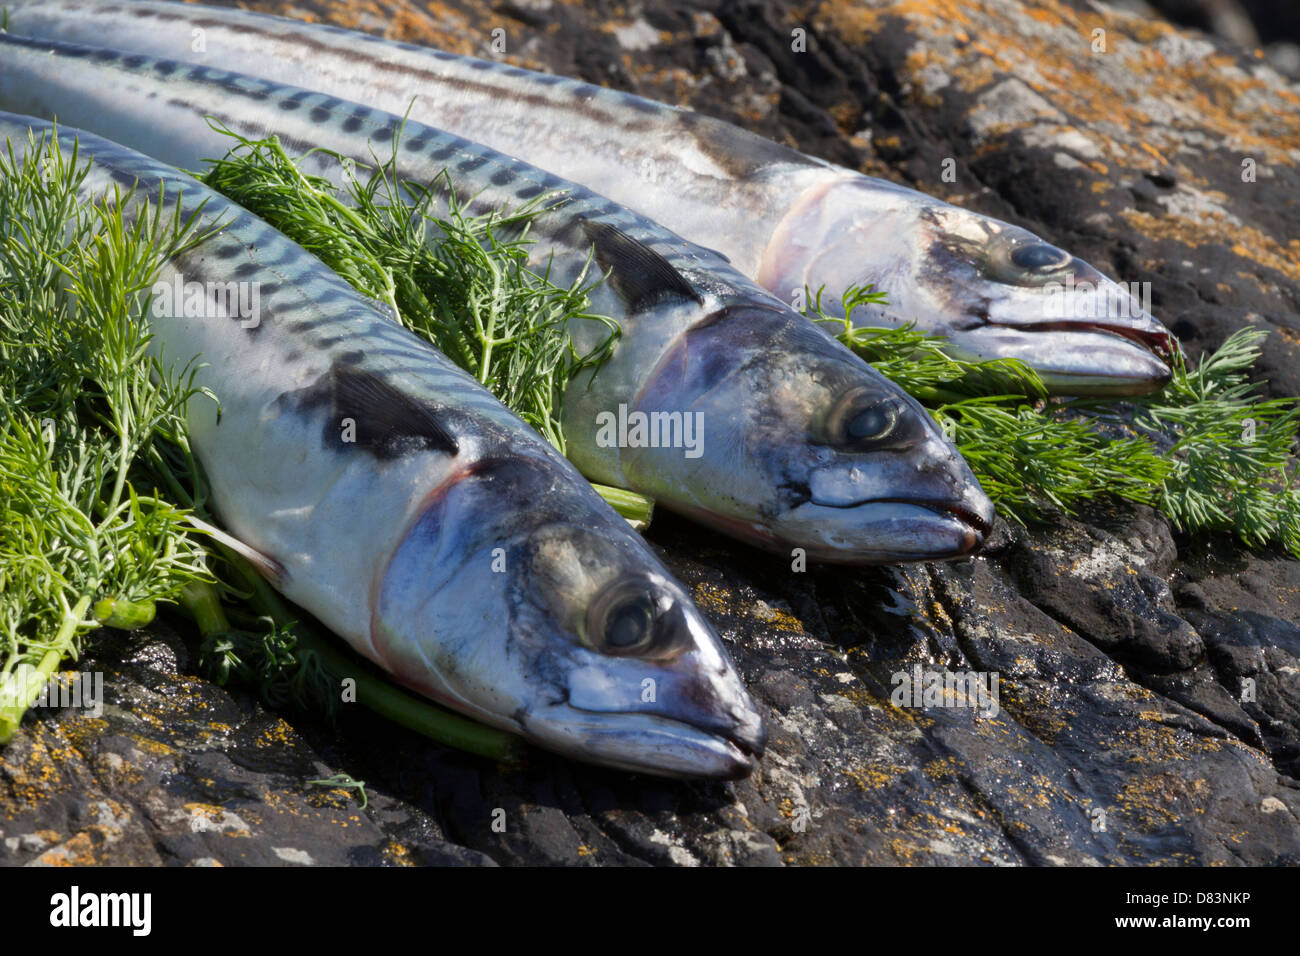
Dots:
(382, 486)
(784, 219)
(773, 431)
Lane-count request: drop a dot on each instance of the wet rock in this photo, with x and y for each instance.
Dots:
(178, 771)
(1110, 591)
(1258, 657)
(1121, 730)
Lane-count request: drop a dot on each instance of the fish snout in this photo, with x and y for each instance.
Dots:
(749, 735)
(691, 717)
(975, 509)
(946, 484)
(924, 506)
(717, 703)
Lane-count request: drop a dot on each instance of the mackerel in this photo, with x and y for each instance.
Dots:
(380, 487)
(800, 443)
(783, 218)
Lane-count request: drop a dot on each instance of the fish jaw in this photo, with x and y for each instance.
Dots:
(773, 464)
(701, 723)
(524, 634)
(1078, 362)
(959, 274)
(944, 515)
(642, 743)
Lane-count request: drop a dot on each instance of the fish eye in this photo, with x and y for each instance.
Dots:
(1018, 257)
(629, 625)
(635, 617)
(1039, 255)
(865, 421)
(872, 423)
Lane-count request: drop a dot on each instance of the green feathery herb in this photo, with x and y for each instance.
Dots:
(462, 283)
(84, 542)
(1232, 454)
(452, 280)
(1206, 450)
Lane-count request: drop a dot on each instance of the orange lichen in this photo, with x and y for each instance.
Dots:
(1212, 91)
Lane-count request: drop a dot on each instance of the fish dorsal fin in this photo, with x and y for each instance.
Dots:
(640, 275)
(385, 309)
(384, 420)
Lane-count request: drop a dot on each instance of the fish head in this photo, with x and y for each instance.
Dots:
(1010, 294)
(993, 289)
(526, 602)
(802, 446)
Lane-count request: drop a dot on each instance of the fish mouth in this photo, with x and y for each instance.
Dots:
(651, 744)
(885, 530)
(972, 531)
(1159, 342)
(980, 525)
(1089, 358)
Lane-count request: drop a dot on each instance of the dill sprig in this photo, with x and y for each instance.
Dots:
(916, 360)
(81, 545)
(1206, 450)
(1232, 453)
(460, 282)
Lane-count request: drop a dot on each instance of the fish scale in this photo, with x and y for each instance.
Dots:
(779, 405)
(784, 219)
(407, 538)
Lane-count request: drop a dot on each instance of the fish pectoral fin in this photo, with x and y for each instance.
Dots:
(641, 276)
(265, 565)
(386, 420)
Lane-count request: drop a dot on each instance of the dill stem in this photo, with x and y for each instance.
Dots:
(489, 333)
(123, 463)
(412, 712)
(938, 396)
(635, 508)
(200, 601)
(321, 196)
(12, 716)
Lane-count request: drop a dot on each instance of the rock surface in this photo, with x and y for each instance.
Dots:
(1149, 685)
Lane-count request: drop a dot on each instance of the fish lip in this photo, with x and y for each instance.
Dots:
(1135, 364)
(742, 746)
(746, 753)
(1159, 342)
(980, 527)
